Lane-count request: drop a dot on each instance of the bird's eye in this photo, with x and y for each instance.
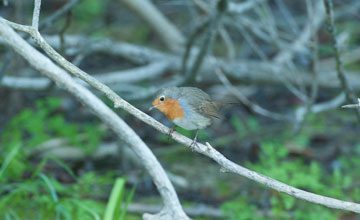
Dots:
(162, 98)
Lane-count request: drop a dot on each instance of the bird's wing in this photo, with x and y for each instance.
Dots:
(209, 109)
(201, 102)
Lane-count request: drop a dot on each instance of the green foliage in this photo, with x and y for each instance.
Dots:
(240, 209)
(32, 127)
(238, 125)
(54, 200)
(242, 127)
(274, 162)
(89, 10)
(114, 209)
(24, 185)
(43, 195)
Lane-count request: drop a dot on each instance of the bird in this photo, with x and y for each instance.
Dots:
(187, 107)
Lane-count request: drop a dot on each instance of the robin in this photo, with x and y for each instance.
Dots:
(187, 107)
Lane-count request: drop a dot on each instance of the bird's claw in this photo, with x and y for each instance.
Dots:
(193, 145)
(171, 132)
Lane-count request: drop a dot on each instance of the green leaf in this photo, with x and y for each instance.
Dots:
(8, 159)
(127, 202)
(50, 186)
(87, 209)
(112, 210)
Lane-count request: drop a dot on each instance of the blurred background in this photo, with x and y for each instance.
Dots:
(275, 57)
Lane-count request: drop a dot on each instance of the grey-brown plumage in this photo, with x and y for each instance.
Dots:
(199, 109)
(188, 107)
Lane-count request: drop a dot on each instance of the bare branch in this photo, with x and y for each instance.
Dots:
(134, 75)
(229, 166)
(288, 17)
(50, 20)
(240, 8)
(352, 105)
(26, 83)
(228, 42)
(199, 211)
(298, 44)
(171, 36)
(241, 69)
(320, 107)
(36, 15)
(254, 107)
(211, 28)
(339, 66)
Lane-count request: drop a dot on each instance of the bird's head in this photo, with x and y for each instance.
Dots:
(167, 101)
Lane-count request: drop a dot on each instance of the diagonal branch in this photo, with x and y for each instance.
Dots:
(206, 150)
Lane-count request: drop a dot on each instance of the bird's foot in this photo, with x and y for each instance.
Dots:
(194, 142)
(193, 145)
(171, 132)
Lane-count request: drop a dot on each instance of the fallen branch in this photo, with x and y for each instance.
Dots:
(112, 78)
(198, 211)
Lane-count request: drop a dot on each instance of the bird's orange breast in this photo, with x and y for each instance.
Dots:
(171, 109)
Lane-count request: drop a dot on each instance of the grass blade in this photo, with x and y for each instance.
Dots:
(112, 210)
(8, 159)
(128, 200)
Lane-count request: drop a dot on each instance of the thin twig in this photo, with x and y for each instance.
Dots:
(36, 15)
(254, 107)
(352, 105)
(314, 68)
(63, 30)
(242, 7)
(288, 17)
(6, 63)
(190, 43)
(339, 66)
(228, 42)
(212, 28)
(54, 16)
(320, 107)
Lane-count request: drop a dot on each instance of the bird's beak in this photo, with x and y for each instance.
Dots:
(152, 107)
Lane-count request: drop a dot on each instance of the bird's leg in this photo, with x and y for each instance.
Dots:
(194, 143)
(172, 129)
